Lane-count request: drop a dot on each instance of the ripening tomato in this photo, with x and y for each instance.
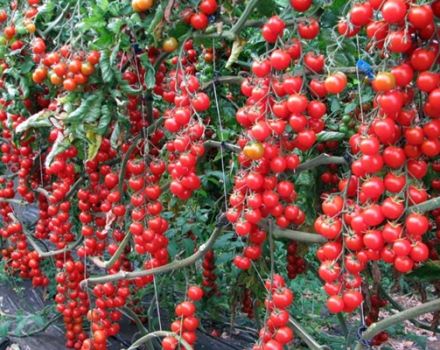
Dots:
(141, 5)
(170, 44)
(347, 30)
(384, 81)
(335, 83)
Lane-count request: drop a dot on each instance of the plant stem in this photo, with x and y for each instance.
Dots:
(39, 330)
(407, 314)
(109, 263)
(399, 307)
(425, 206)
(177, 264)
(226, 145)
(322, 159)
(305, 336)
(236, 28)
(299, 236)
(37, 248)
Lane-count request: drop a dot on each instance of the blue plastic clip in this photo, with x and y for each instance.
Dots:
(365, 68)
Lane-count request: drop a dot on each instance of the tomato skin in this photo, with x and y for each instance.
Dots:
(416, 224)
(384, 81)
(373, 239)
(420, 16)
(335, 304)
(301, 5)
(170, 44)
(336, 83)
(329, 271)
(394, 11)
(199, 21)
(282, 298)
(308, 30)
(403, 264)
(352, 299)
(361, 14)
(208, 7)
(280, 59)
(419, 252)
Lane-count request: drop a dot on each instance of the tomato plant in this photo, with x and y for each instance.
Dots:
(218, 141)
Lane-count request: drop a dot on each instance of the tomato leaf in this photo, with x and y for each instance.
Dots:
(430, 271)
(330, 136)
(105, 65)
(104, 121)
(38, 120)
(114, 138)
(60, 145)
(150, 73)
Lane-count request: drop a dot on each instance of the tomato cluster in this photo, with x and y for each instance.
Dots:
(276, 333)
(187, 323)
(209, 276)
(392, 149)
(295, 263)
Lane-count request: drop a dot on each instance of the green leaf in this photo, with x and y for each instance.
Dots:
(430, 271)
(104, 121)
(330, 136)
(103, 4)
(4, 327)
(38, 120)
(350, 107)
(94, 141)
(24, 87)
(114, 138)
(60, 145)
(335, 105)
(89, 109)
(150, 75)
(266, 7)
(105, 65)
(237, 48)
(115, 25)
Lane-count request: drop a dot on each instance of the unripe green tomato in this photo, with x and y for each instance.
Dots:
(346, 119)
(21, 30)
(2, 40)
(343, 129)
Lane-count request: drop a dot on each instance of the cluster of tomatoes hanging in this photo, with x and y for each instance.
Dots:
(394, 147)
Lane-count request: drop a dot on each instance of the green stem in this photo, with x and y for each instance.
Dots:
(425, 206)
(109, 263)
(39, 330)
(399, 307)
(299, 236)
(322, 159)
(407, 314)
(177, 264)
(237, 27)
(305, 336)
(37, 248)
